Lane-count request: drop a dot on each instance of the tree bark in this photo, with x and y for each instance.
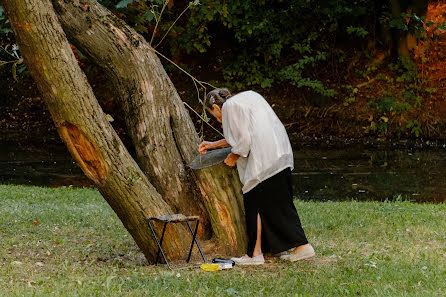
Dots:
(150, 113)
(83, 127)
(159, 125)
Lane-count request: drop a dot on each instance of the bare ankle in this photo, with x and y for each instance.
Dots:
(297, 248)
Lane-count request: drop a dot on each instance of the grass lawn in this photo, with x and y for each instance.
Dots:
(68, 242)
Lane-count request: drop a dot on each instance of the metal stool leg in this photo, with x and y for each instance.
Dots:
(161, 242)
(158, 243)
(194, 239)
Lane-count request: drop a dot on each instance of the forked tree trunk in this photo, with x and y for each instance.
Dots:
(83, 126)
(145, 94)
(159, 125)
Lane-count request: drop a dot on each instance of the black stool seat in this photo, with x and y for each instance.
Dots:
(175, 218)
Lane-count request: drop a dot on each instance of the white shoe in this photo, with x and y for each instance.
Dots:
(304, 253)
(247, 260)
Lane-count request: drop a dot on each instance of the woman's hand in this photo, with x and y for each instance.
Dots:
(205, 146)
(231, 160)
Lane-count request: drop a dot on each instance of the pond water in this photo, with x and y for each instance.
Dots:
(370, 174)
(40, 165)
(319, 174)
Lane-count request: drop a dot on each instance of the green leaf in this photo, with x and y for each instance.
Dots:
(399, 23)
(5, 30)
(194, 3)
(123, 3)
(358, 31)
(21, 68)
(148, 16)
(429, 23)
(441, 27)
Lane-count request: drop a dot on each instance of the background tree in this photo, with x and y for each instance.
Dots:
(407, 22)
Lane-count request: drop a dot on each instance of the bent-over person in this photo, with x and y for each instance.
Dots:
(262, 151)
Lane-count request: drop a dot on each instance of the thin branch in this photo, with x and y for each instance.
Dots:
(366, 83)
(154, 13)
(170, 28)
(6, 62)
(195, 81)
(158, 20)
(203, 119)
(12, 55)
(201, 83)
(203, 114)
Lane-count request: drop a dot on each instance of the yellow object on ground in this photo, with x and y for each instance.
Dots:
(210, 267)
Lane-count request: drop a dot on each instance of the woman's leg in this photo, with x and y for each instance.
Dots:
(258, 246)
(254, 255)
(252, 222)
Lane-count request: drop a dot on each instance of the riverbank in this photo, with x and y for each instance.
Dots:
(27, 121)
(68, 241)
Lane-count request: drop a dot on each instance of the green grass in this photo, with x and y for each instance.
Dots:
(81, 249)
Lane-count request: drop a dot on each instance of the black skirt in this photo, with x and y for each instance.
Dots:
(281, 227)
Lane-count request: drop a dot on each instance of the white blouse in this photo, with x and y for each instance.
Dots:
(255, 133)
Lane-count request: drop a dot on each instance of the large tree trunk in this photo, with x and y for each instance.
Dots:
(144, 92)
(159, 125)
(83, 126)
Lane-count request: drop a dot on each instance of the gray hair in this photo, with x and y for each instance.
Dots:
(217, 96)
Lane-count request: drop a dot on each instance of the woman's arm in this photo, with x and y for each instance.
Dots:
(221, 143)
(207, 145)
(236, 120)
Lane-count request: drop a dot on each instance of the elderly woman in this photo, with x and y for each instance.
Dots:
(262, 151)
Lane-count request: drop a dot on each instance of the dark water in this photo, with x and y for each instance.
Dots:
(362, 174)
(41, 165)
(328, 174)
